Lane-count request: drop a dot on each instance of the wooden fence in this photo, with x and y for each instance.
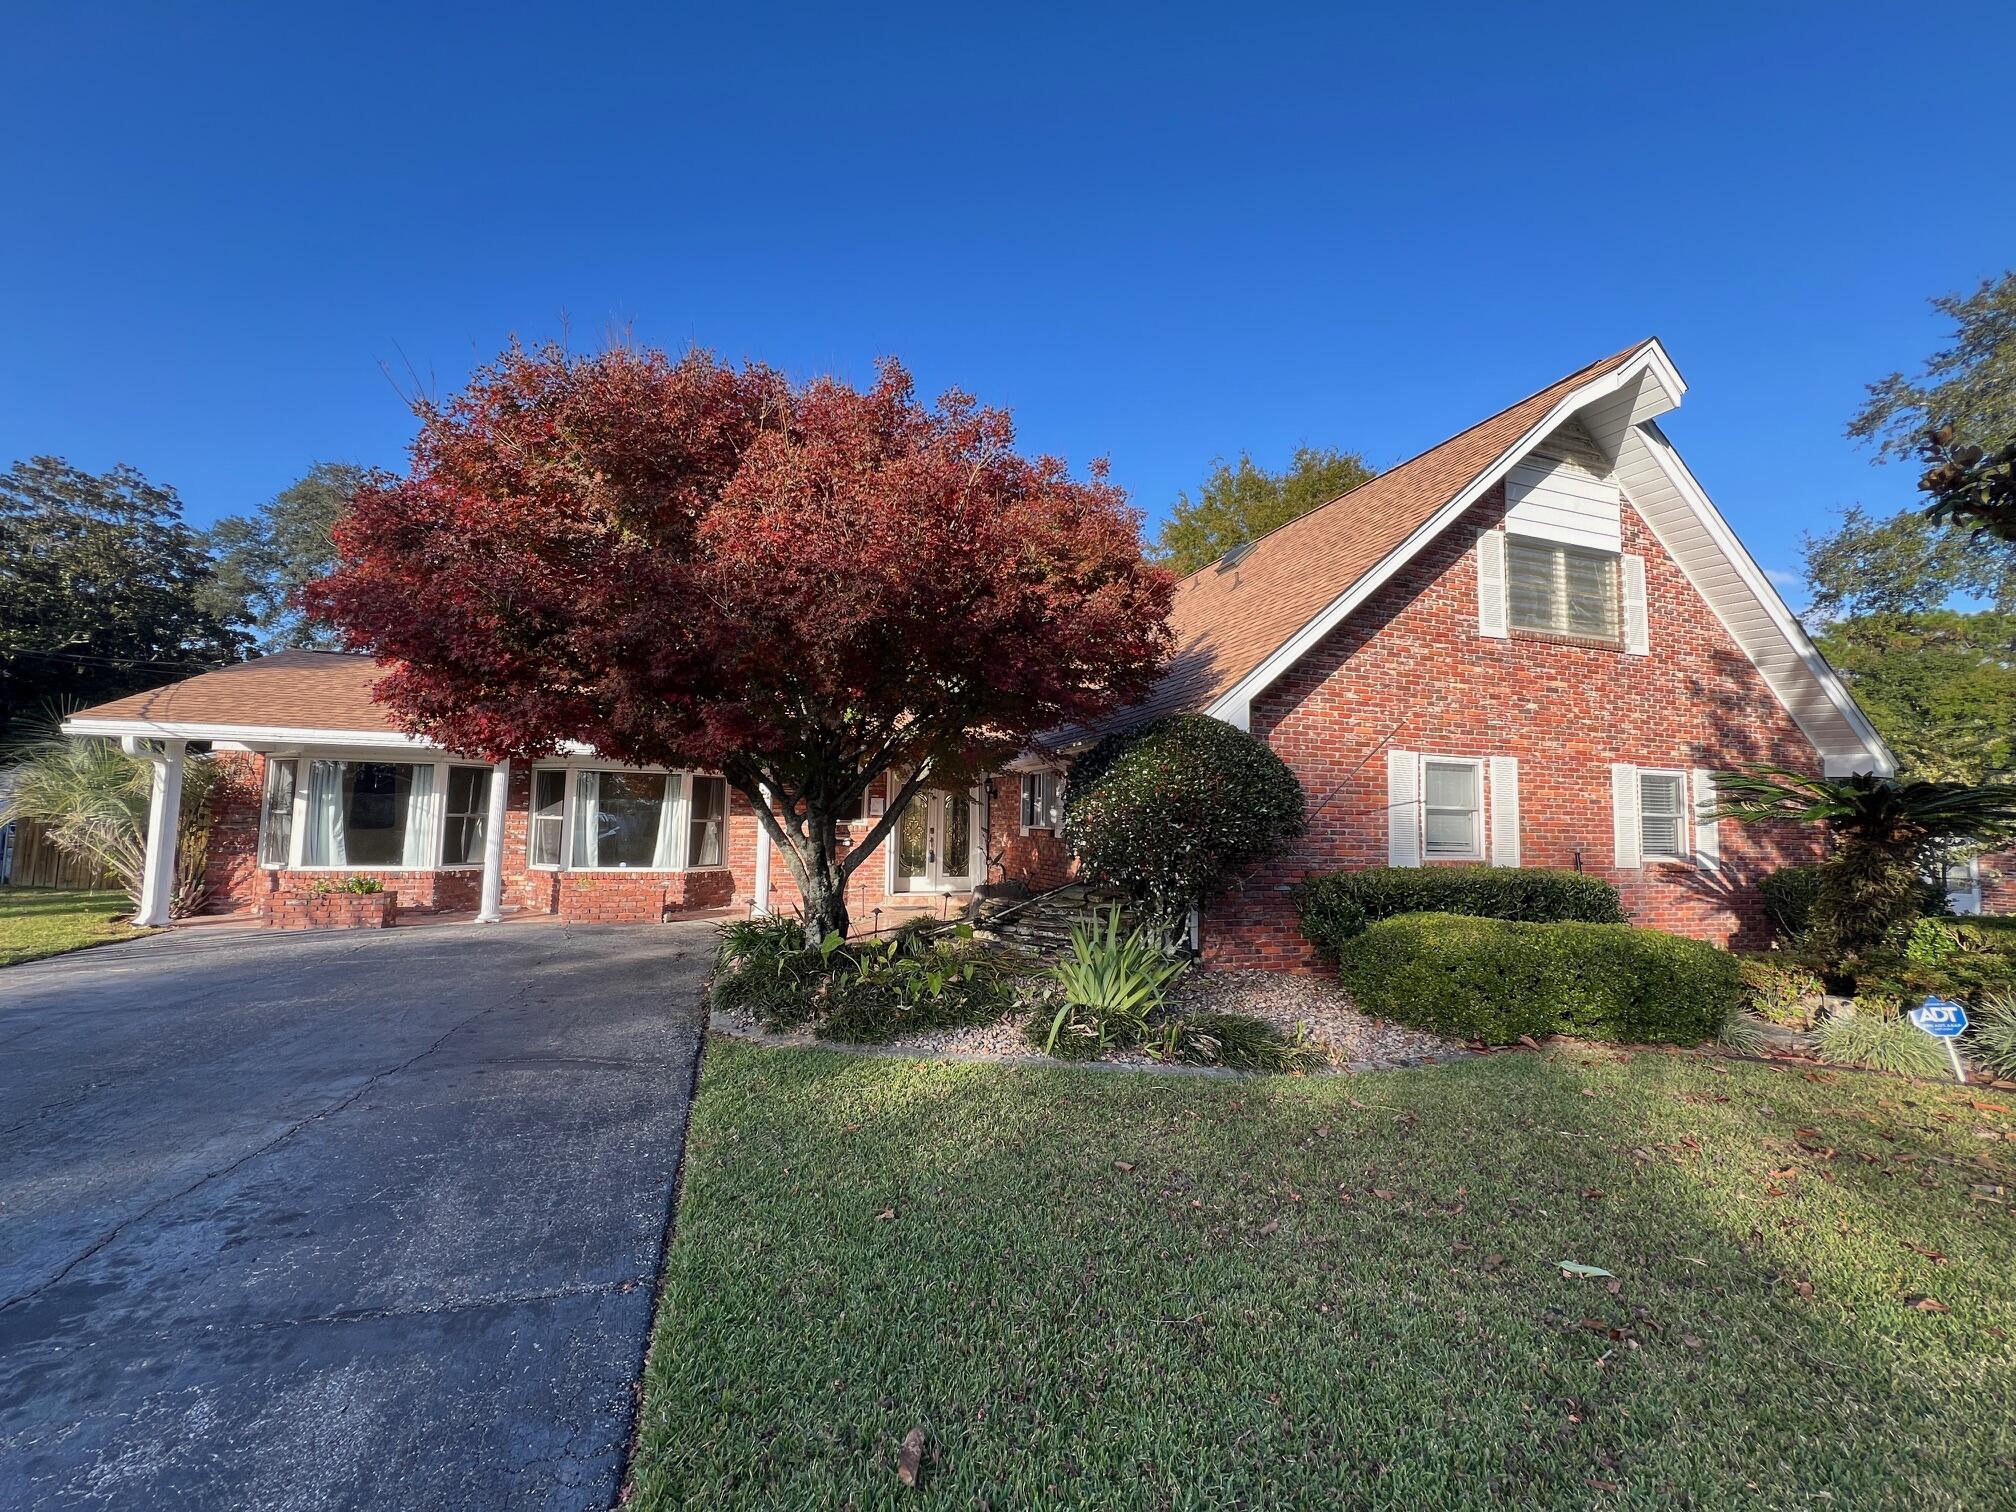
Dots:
(27, 859)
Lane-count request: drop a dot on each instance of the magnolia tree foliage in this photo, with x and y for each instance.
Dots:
(692, 564)
(1173, 810)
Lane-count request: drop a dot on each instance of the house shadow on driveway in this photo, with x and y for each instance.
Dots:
(366, 1219)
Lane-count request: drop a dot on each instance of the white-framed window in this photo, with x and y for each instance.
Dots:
(707, 827)
(1452, 808)
(1557, 589)
(1042, 801)
(465, 816)
(593, 818)
(549, 804)
(368, 814)
(1662, 815)
(276, 813)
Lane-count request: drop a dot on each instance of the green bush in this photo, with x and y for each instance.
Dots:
(1788, 898)
(1779, 989)
(1496, 979)
(1337, 907)
(1877, 1035)
(1173, 810)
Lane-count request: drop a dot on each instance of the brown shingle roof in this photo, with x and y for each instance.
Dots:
(1227, 623)
(295, 690)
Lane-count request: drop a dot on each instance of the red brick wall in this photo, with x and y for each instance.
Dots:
(1998, 883)
(1409, 670)
(231, 867)
(1038, 858)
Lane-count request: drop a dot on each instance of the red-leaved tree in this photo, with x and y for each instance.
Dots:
(690, 564)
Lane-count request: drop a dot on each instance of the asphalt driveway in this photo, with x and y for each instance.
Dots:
(336, 1220)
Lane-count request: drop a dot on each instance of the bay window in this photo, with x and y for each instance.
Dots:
(549, 797)
(624, 821)
(1562, 590)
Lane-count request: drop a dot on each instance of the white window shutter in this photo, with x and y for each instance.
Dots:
(1491, 617)
(1624, 811)
(1637, 619)
(1504, 810)
(1403, 808)
(1707, 832)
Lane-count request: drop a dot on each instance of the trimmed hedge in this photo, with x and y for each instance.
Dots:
(1337, 907)
(1496, 979)
(1789, 893)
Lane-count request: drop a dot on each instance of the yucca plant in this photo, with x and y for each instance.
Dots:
(90, 798)
(1111, 983)
(1886, 833)
(1743, 1032)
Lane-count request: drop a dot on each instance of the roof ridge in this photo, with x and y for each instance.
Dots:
(1246, 548)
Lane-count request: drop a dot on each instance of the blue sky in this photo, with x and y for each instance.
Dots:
(1159, 235)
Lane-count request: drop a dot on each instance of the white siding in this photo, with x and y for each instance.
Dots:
(1558, 500)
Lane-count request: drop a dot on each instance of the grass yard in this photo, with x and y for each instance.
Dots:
(46, 921)
(1109, 1290)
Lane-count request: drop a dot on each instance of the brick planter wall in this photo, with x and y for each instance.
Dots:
(331, 911)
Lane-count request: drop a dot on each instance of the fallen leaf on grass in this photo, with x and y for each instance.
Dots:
(1271, 1226)
(1933, 1255)
(1690, 1341)
(1529, 1042)
(1382, 1194)
(1577, 1268)
(911, 1457)
(885, 1215)
(1492, 1262)
(1925, 1304)
(1123, 1166)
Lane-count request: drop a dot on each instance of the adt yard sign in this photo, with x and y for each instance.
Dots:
(1943, 1019)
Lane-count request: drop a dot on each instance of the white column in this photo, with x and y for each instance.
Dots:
(164, 811)
(492, 911)
(760, 904)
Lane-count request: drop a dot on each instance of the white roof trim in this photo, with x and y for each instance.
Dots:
(1235, 706)
(253, 735)
(1884, 763)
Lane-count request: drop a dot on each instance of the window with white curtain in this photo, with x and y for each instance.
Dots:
(706, 845)
(624, 821)
(1042, 800)
(465, 816)
(549, 797)
(276, 836)
(370, 813)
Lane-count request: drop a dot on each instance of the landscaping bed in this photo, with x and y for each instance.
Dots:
(1100, 1291)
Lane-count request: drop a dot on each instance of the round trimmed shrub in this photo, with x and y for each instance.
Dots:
(1337, 907)
(1171, 811)
(1497, 979)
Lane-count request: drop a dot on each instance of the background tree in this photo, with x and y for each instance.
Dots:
(690, 564)
(103, 588)
(263, 559)
(1969, 384)
(1242, 501)
(1940, 687)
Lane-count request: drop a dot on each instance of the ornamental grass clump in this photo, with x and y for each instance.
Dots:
(1878, 1035)
(1992, 1035)
(1111, 983)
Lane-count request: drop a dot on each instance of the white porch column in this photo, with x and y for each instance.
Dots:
(760, 904)
(164, 811)
(492, 911)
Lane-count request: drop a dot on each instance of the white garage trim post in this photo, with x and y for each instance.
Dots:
(164, 813)
(492, 910)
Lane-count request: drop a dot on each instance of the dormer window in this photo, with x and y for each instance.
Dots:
(1557, 589)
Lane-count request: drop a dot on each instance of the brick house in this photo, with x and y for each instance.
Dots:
(1531, 645)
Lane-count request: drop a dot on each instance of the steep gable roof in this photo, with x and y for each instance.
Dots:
(1230, 617)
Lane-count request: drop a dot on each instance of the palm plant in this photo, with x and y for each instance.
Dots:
(90, 798)
(1886, 832)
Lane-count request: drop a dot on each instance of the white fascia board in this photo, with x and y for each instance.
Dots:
(1235, 706)
(1876, 751)
(242, 734)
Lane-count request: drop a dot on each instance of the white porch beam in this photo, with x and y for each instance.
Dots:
(760, 904)
(164, 812)
(492, 910)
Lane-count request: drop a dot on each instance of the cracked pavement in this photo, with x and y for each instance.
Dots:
(358, 1219)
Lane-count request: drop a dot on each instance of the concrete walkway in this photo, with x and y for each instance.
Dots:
(368, 1219)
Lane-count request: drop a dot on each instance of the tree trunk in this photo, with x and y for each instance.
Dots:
(825, 905)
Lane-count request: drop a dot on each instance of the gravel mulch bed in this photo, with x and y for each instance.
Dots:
(1350, 1040)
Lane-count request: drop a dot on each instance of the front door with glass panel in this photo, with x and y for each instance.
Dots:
(934, 843)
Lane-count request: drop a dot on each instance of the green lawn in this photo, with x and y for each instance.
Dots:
(46, 921)
(1106, 1290)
